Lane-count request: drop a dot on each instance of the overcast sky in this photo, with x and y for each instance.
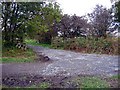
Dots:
(81, 7)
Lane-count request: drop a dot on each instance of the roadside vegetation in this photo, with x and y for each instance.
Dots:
(82, 44)
(81, 82)
(88, 45)
(35, 43)
(116, 76)
(17, 55)
(92, 82)
(41, 86)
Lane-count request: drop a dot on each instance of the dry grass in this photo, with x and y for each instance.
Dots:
(88, 45)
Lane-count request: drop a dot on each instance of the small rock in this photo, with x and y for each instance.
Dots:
(42, 57)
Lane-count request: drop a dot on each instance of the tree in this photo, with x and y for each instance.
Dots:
(42, 24)
(79, 26)
(101, 20)
(14, 17)
(117, 11)
(71, 26)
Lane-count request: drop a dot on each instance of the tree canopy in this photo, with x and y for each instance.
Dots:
(117, 13)
(101, 20)
(42, 24)
(71, 26)
(17, 15)
(44, 20)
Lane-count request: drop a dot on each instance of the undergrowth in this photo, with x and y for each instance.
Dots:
(88, 45)
(17, 55)
(35, 43)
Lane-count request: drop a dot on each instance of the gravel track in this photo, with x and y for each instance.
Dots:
(65, 63)
(62, 66)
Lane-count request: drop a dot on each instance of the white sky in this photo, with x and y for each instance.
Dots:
(81, 7)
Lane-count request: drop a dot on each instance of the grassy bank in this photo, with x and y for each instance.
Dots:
(80, 44)
(80, 82)
(91, 82)
(17, 55)
(88, 45)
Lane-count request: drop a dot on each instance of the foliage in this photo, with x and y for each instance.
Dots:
(101, 19)
(71, 26)
(17, 55)
(57, 42)
(117, 13)
(44, 85)
(35, 43)
(88, 44)
(92, 82)
(22, 18)
(41, 25)
(116, 76)
(14, 17)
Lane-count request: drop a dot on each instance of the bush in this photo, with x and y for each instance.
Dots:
(43, 37)
(88, 44)
(57, 42)
(71, 44)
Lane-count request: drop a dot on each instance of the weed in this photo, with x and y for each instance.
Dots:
(35, 43)
(17, 55)
(116, 76)
(44, 85)
(91, 82)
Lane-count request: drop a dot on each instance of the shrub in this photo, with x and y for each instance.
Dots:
(57, 42)
(71, 44)
(88, 44)
(43, 37)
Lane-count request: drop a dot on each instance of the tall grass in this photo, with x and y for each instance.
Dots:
(17, 55)
(88, 45)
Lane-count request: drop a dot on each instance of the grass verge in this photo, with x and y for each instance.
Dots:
(101, 45)
(41, 86)
(91, 82)
(116, 76)
(17, 55)
(33, 42)
(82, 82)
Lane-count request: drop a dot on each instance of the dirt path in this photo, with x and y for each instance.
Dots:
(65, 63)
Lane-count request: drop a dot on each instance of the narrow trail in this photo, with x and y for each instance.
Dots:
(65, 63)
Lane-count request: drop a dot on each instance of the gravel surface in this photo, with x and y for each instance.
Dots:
(72, 63)
(62, 66)
(65, 63)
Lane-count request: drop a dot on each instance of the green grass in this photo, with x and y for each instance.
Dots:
(116, 76)
(18, 60)
(42, 86)
(91, 82)
(17, 55)
(33, 42)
